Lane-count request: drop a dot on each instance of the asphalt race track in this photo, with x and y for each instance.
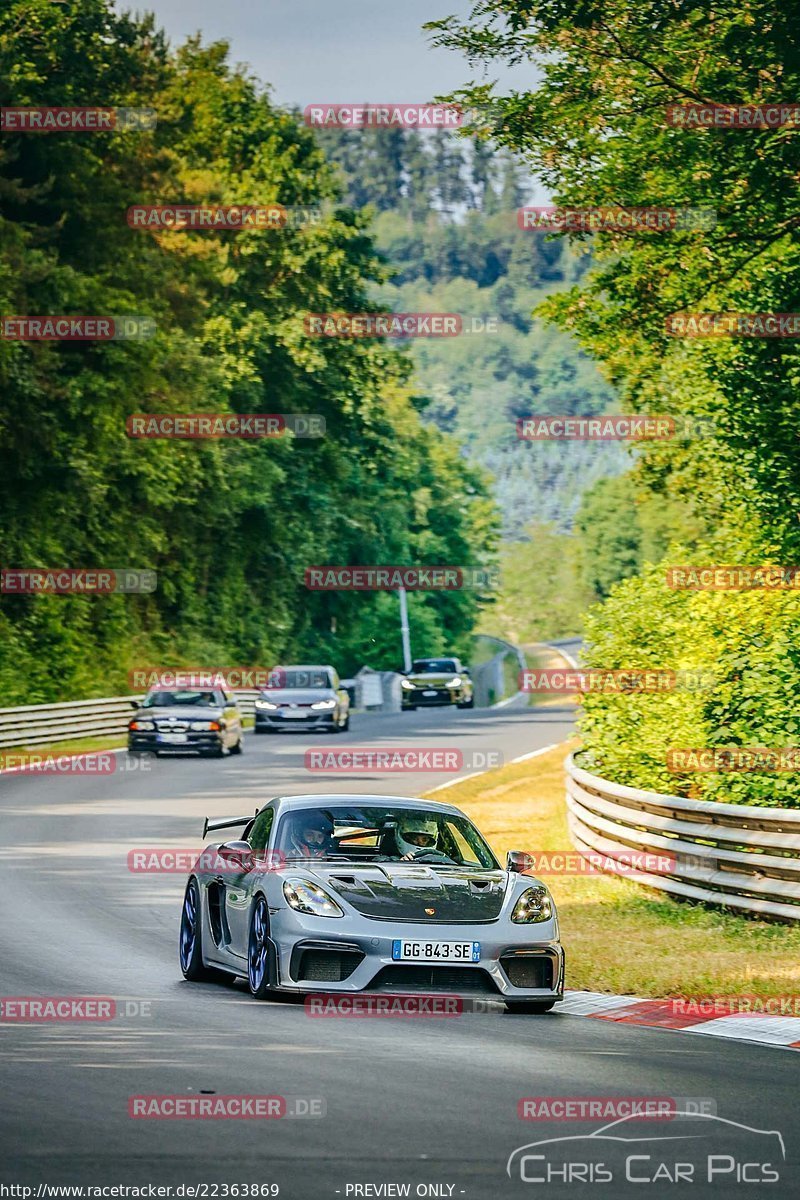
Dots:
(406, 1101)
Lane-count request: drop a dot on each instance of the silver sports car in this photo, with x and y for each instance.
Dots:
(348, 893)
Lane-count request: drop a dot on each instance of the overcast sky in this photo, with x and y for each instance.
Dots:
(315, 50)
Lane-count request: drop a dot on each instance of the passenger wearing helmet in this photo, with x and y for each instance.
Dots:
(417, 835)
(310, 836)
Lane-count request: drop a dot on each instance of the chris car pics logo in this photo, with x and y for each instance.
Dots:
(694, 1147)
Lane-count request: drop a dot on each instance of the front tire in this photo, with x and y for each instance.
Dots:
(190, 946)
(258, 950)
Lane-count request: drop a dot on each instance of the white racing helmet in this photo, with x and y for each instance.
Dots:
(423, 830)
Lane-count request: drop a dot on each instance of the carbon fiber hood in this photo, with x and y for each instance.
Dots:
(403, 891)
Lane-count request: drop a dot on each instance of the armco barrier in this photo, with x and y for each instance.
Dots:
(37, 724)
(732, 855)
(489, 676)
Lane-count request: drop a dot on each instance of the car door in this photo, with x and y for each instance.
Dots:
(239, 885)
(342, 698)
(232, 718)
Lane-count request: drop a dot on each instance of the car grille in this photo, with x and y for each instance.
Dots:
(172, 726)
(325, 965)
(434, 979)
(529, 970)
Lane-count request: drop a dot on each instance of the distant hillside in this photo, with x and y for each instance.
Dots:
(445, 221)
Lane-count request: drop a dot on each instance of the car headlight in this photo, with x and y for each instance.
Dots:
(306, 897)
(265, 704)
(142, 725)
(324, 704)
(407, 684)
(206, 725)
(534, 905)
(454, 682)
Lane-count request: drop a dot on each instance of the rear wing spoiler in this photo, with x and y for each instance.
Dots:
(212, 823)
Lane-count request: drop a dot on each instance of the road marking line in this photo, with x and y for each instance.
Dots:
(534, 753)
(460, 779)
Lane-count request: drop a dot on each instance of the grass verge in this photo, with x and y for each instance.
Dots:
(619, 936)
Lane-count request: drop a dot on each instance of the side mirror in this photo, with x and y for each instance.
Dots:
(519, 861)
(466, 672)
(238, 855)
(135, 704)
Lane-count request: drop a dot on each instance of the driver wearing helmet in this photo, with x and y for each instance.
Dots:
(416, 835)
(310, 836)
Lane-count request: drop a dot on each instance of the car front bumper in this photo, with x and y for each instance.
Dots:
(202, 741)
(418, 699)
(315, 720)
(531, 954)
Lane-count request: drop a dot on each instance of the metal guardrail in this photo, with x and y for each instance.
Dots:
(489, 676)
(38, 724)
(732, 855)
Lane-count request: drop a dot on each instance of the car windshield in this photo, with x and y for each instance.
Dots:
(375, 835)
(426, 665)
(164, 699)
(298, 677)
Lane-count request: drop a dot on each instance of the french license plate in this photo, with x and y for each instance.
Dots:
(433, 693)
(174, 739)
(435, 952)
(295, 716)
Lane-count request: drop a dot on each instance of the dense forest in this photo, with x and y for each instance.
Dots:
(229, 526)
(595, 127)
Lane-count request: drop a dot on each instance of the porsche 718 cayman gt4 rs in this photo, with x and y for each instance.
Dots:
(359, 893)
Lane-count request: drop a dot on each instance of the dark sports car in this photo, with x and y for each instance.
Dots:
(349, 893)
(202, 719)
